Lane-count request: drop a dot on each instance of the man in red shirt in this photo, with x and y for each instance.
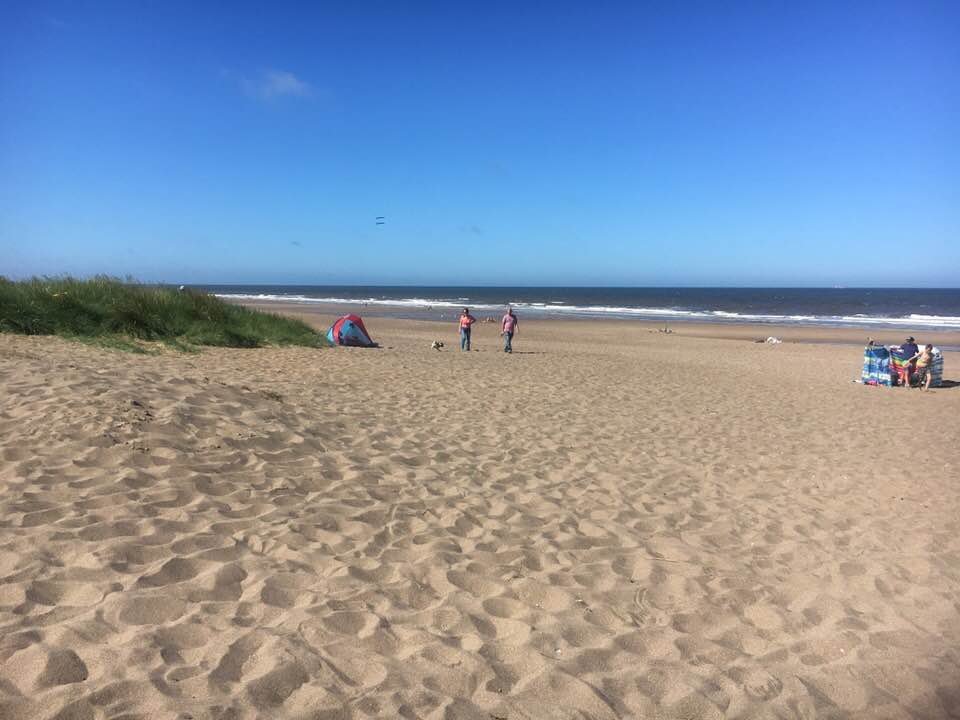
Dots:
(508, 328)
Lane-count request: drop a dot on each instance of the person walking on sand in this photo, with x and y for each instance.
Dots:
(466, 321)
(924, 360)
(508, 328)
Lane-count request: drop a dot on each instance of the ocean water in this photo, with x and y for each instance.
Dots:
(933, 309)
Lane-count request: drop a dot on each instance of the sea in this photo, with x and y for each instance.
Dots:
(907, 308)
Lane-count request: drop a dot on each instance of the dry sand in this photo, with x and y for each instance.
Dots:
(609, 523)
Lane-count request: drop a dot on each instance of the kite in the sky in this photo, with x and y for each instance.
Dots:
(381, 220)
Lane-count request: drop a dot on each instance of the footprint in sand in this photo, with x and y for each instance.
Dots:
(173, 571)
(230, 669)
(186, 636)
(151, 609)
(761, 685)
(72, 594)
(40, 667)
(277, 595)
(357, 624)
(504, 607)
(41, 517)
(273, 689)
(227, 586)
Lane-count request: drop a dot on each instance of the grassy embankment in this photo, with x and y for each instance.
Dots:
(139, 318)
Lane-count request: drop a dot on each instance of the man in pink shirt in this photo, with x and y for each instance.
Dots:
(508, 327)
(466, 323)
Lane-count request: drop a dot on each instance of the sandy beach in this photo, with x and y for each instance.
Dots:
(609, 523)
(321, 315)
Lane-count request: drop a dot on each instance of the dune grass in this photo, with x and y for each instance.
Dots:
(130, 316)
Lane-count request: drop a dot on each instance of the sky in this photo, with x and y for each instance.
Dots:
(606, 143)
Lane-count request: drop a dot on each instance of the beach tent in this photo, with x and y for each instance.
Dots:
(880, 365)
(349, 330)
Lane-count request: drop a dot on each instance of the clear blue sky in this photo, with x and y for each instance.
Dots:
(767, 143)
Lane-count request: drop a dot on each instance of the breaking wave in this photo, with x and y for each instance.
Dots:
(560, 309)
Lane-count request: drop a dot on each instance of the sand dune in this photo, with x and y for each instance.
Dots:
(606, 524)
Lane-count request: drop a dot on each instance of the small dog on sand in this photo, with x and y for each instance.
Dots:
(437, 345)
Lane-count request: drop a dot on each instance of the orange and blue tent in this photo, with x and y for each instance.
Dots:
(349, 330)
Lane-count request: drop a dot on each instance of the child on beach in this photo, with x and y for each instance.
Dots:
(508, 327)
(466, 321)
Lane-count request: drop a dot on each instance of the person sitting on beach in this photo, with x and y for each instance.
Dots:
(924, 360)
(466, 321)
(508, 328)
(910, 349)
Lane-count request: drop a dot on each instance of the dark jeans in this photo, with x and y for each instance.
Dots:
(465, 339)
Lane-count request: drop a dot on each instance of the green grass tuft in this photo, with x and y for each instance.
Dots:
(125, 315)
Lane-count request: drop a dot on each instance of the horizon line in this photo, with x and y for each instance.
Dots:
(563, 286)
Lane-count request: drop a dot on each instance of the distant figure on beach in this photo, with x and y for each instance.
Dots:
(508, 328)
(924, 360)
(911, 350)
(466, 321)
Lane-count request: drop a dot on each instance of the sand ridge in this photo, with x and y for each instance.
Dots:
(601, 527)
